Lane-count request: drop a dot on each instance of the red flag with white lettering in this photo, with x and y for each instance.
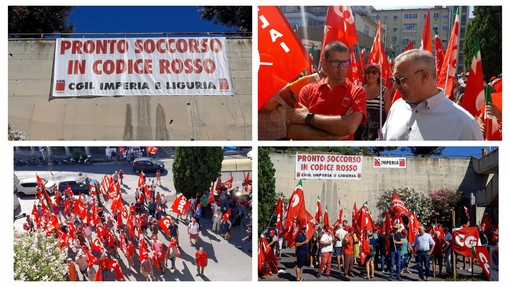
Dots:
(482, 254)
(397, 206)
(439, 53)
(464, 239)
(282, 55)
(164, 222)
(152, 149)
(446, 77)
(278, 211)
(97, 245)
(180, 205)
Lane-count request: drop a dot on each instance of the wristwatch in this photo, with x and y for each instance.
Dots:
(309, 118)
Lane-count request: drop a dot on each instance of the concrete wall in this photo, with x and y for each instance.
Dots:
(32, 110)
(423, 174)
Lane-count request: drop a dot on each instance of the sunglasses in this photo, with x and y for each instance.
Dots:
(374, 72)
(402, 80)
(336, 64)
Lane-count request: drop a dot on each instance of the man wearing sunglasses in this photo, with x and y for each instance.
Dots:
(424, 112)
(331, 108)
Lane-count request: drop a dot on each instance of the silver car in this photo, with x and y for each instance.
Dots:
(28, 186)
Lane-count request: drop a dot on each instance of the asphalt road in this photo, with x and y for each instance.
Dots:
(227, 261)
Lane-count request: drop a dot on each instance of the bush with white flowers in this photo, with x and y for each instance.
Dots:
(38, 258)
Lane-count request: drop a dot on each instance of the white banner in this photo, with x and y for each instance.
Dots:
(141, 66)
(328, 166)
(390, 162)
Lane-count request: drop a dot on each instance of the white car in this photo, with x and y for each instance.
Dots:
(28, 186)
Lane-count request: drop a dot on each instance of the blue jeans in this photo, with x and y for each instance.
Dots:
(394, 261)
(423, 259)
(383, 261)
(403, 261)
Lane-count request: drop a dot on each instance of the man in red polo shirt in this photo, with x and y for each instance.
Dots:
(201, 261)
(331, 108)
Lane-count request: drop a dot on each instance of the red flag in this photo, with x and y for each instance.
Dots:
(426, 40)
(97, 245)
(211, 198)
(482, 254)
(354, 73)
(439, 53)
(142, 250)
(282, 55)
(115, 266)
(474, 94)
(228, 183)
(269, 256)
(141, 179)
(397, 206)
(446, 77)
(278, 210)
(486, 223)
(378, 55)
(180, 205)
(164, 222)
(364, 249)
(246, 182)
(296, 205)
(261, 258)
(318, 212)
(464, 239)
(218, 184)
(493, 126)
(90, 258)
(130, 224)
(339, 220)
(152, 149)
(339, 26)
(326, 217)
(409, 46)
(413, 225)
(364, 220)
(387, 223)
(37, 218)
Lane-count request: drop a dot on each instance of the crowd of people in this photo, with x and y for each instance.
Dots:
(328, 106)
(102, 233)
(390, 251)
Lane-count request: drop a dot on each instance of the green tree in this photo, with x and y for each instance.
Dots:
(443, 200)
(238, 17)
(267, 189)
(37, 257)
(416, 202)
(195, 168)
(487, 29)
(39, 19)
(424, 151)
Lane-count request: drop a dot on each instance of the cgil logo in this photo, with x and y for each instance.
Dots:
(469, 242)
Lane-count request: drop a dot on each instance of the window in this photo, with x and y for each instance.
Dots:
(445, 27)
(435, 30)
(393, 40)
(409, 27)
(366, 30)
(411, 16)
(436, 15)
(395, 17)
(405, 41)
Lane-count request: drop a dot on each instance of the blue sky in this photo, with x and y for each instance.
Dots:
(140, 19)
(451, 151)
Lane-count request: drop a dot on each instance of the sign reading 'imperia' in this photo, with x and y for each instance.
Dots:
(141, 66)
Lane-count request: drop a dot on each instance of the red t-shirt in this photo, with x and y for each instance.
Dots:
(319, 99)
(201, 258)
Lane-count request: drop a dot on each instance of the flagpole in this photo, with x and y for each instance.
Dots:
(453, 252)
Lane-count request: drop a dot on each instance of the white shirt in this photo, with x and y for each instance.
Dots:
(193, 228)
(436, 118)
(327, 238)
(340, 233)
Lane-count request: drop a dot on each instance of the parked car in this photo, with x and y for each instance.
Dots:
(147, 164)
(78, 183)
(28, 186)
